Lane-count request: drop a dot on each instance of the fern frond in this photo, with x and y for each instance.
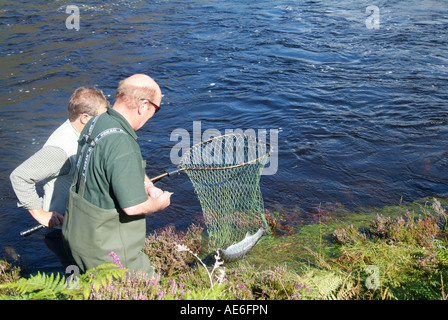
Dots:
(328, 284)
(40, 287)
(324, 282)
(12, 297)
(54, 286)
(442, 254)
(106, 270)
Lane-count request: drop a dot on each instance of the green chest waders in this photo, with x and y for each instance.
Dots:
(91, 233)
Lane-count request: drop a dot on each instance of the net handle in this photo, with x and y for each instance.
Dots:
(167, 173)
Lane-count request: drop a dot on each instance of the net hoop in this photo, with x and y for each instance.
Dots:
(200, 144)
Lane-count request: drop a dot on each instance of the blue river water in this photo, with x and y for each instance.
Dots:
(357, 91)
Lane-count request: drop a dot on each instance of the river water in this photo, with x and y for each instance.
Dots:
(357, 91)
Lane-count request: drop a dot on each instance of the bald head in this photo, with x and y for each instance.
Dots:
(136, 87)
(135, 99)
(140, 80)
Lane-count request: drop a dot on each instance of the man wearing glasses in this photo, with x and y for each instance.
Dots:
(111, 193)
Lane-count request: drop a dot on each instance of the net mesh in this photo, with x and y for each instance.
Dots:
(225, 172)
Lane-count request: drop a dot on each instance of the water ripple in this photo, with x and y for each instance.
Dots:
(361, 114)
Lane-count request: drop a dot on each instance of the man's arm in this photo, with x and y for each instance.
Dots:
(152, 204)
(49, 162)
(46, 218)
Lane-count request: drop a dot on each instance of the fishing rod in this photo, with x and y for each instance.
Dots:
(224, 161)
(231, 151)
(167, 173)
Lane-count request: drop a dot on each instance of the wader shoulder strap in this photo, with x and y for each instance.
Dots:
(90, 144)
(87, 140)
(94, 142)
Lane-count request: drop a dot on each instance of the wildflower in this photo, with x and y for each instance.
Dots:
(115, 259)
(221, 276)
(181, 247)
(218, 263)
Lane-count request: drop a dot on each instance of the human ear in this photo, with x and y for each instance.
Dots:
(84, 119)
(141, 108)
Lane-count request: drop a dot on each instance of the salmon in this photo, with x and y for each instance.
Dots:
(239, 249)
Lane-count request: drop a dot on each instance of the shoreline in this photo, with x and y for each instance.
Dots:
(344, 248)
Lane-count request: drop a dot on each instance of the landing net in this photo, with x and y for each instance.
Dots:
(225, 172)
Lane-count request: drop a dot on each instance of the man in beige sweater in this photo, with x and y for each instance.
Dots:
(54, 164)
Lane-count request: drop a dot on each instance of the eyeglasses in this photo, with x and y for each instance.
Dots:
(155, 106)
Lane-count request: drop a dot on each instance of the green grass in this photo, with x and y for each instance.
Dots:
(396, 252)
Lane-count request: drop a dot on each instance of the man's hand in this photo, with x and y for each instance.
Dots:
(153, 192)
(148, 182)
(48, 219)
(163, 199)
(157, 200)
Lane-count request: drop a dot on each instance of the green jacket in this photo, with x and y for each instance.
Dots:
(109, 176)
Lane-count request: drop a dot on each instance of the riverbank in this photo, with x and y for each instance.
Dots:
(391, 253)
